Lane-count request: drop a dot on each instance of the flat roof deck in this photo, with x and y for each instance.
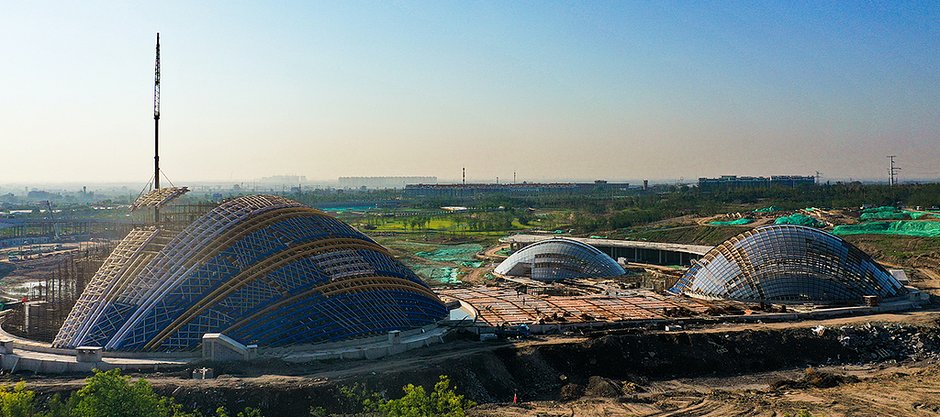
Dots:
(497, 306)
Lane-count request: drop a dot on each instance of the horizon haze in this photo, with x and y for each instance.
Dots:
(599, 90)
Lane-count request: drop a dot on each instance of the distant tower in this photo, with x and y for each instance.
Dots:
(464, 181)
(514, 177)
(892, 171)
(156, 128)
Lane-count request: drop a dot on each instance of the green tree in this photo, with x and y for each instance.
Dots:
(248, 412)
(442, 402)
(105, 394)
(110, 394)
(17, 402)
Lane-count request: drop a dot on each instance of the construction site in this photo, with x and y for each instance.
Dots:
(589, 325)
(264, 298)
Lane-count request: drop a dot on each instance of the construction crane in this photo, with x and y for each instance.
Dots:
(157, 196)
(156, 129)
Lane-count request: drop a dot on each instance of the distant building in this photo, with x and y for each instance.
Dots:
(42, 195)
(383, 183)
(284, 179)
(734, 181)
(460, 190)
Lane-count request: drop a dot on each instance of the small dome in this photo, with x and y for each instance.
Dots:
(559, 258)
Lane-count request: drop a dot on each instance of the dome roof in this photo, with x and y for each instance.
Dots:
(559, 258)
(261, 269)
(787, 263)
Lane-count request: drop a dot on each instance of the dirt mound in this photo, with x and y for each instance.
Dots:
(814, 378)
(570, 392)
(598, 386)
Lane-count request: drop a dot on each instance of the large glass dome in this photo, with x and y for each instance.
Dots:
(787, 263)
(261, 269)
(559, 258)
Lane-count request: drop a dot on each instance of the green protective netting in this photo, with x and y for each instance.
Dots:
(799, 219)
(903, 228)
(919, 215)
(444, 275)
(770, 209)
(890, 213)
(880, 209)
(885, 215)
(737, 222)
(453, 253)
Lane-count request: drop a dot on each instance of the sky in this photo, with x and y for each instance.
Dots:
(550, 90)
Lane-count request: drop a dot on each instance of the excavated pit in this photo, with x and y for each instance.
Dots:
(601, 366)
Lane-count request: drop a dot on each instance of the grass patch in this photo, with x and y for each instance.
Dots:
(896, 247)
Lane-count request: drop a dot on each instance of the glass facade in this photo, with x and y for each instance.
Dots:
(558, 258)
(261, 269)
(787, 263)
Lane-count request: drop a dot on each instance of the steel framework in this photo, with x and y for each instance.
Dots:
(787, 263)
(158, 197)
(262, 269)
(554, 259)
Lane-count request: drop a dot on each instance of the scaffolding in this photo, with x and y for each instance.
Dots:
(42, 313)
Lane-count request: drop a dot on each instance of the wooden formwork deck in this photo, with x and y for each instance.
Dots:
(498, 306)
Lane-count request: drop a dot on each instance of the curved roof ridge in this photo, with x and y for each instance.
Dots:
(564, 239)
(559, 258)
(269, 264)
(787, 263)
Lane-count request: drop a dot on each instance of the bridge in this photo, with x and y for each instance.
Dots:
(633, 251)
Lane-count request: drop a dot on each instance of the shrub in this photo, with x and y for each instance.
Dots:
(17, 402)
(442, 402)
(110, 394)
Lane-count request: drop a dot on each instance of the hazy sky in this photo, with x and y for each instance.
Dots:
(616, 90)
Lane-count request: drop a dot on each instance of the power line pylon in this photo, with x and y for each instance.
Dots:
(892, 171)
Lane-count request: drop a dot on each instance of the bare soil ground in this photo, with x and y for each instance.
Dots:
(918, 256)
(490, 253)
(902, 390)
